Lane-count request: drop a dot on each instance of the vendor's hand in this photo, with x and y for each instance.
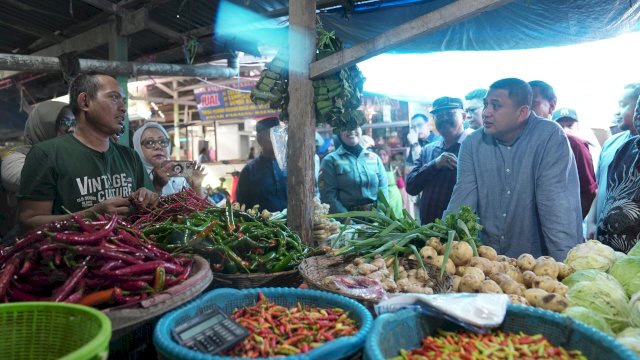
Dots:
(116, 205)
(447, 160)
(198, 175)
(162, 173)
(412, 137)
(145, 198)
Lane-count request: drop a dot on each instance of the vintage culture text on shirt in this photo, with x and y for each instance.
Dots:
(100, 188)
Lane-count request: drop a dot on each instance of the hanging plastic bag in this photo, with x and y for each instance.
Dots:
(279, 138)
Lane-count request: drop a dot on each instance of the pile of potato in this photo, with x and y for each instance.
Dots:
(527, 280)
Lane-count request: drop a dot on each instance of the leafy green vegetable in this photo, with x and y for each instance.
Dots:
(588, 317)
(591, 255)
(634, 304)
(627, 272)
(586, 276)
(606, 298)
(630, 338)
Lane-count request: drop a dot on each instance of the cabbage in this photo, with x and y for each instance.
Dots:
(630, 338)
(588, 317)
(591, 255)
(607, 298)
(619, 256)
(634, 304)
(588, 275)
(635, 250)
(627, 272)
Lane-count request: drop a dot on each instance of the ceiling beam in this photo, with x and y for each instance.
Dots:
(30, 28)
(103, 5)
(425, 24)
(165, 89)
(165, 32)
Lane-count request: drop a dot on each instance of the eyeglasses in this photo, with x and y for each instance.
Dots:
(151, 144)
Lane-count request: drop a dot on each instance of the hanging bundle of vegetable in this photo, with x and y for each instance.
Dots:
(169, 208)
(336, 96)
(273, 86)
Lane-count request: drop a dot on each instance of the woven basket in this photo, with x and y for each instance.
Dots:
(133, 327)
(289, 278)
(314, 269)
(405, 329)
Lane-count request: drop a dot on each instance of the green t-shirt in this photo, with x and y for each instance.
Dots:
(70, 174)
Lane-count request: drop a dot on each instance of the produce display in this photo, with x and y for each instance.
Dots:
(280, 331)
(96, 263)
(232, 240)
(494, 345)
(169, 208)
(323, 227)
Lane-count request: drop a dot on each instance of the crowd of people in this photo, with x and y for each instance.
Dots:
(506, 151)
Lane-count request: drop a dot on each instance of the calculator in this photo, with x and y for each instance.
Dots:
(211, 332)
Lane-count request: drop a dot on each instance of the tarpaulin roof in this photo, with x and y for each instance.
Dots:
(521, 24)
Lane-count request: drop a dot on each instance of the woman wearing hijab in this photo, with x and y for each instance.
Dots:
(47, 120)
(151, 141)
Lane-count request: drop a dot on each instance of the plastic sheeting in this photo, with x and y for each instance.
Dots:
(520, 24)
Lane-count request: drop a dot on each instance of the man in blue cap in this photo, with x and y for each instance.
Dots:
(435, 172)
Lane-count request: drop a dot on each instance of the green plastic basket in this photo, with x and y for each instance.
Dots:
(48, 330)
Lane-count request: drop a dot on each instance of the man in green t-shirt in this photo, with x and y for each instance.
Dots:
(84, 172)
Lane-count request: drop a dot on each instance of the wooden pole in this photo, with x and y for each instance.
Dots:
(302, 125)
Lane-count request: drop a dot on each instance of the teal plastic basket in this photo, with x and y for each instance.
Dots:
(230, 299)
(405, 329)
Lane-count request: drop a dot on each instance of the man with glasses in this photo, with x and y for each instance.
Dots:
(473, 107)
(84, 173)
(435, 172)
(520, 177)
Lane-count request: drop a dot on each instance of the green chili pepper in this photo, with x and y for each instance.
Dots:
(284, 263)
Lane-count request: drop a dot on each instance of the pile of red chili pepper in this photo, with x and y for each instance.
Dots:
(232, 240)
(495, 345)
(96, 263)
(169, 208)
(280, 331)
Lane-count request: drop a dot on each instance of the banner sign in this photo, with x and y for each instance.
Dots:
(217, 103)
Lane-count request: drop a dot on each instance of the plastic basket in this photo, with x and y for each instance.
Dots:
(230, 299)
(406, 329)
(48, 330)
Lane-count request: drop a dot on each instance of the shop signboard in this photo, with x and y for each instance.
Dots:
(230, 102)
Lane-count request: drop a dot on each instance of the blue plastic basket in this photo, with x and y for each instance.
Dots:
(230, 299)
(405, 329)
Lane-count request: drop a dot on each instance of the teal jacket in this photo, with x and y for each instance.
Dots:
(347, 180)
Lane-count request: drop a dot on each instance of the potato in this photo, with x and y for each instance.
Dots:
(366, 269)
(450, 267)
(534, 296)
(517, 299)
(497, 267)
(515, 274)
(554, 302)
(481, 263)
(461, 253)
(512, 287)
(490, 287)
(547, 267)
(487, 252)
(561, 289)
(428, 253)
(545, 283)
(460, 270)
(455, 282)
(503, 258)
(474, 272)
(469, 284)
(502, 266)
(526, 262)
(564, 270)
(500, 277)
(529, 277)
(435, 243)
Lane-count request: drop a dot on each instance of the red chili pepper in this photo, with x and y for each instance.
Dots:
(10, 269)
(66, 288)
(87, 250)
(91, 238)
(149, 267)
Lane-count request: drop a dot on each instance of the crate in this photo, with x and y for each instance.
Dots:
(230, 299)
(48, 330)
(405, 329)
